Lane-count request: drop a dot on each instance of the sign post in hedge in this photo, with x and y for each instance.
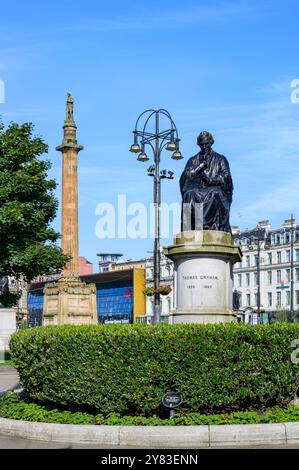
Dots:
(171, 400)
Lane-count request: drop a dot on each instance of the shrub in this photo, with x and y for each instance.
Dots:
(21, 407)
(128, 368)
(16, 406)
(9, 299)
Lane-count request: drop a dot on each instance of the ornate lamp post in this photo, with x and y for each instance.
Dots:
(157, 140)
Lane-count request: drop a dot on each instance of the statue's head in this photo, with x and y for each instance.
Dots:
(205, 140)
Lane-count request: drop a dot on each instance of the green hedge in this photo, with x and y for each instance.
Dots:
(127, 369)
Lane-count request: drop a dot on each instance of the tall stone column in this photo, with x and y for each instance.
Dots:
(69, 213)
(70, 301)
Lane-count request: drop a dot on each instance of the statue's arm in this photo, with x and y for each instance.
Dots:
(225, 178)
(182, 180)
(185, 175)
(197, 170)
(191, 171)
(222, 179)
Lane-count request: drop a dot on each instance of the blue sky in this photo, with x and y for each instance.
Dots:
(222, 66)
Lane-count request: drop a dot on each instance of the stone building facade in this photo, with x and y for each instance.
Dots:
(275, 267)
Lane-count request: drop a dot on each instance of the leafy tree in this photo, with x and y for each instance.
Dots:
(27, 207)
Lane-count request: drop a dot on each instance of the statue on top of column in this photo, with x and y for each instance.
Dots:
(69, 107)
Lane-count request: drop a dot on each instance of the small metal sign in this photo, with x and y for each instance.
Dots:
(171, 399)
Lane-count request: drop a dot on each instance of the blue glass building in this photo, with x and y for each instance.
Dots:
(119, 296)
(35, 302)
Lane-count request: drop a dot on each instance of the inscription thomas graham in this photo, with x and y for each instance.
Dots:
(206, 277)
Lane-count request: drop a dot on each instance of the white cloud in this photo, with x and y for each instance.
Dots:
(190, 15)
(164, 19)
(281, 202)
(23, 113)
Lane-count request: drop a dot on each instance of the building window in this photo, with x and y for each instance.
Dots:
(248, 261)
(278, 257)
(288, 297)
(278, 274)
(247, 279)
(248, 299)
(269, 277)
(270, 299)
(35, 302)
(297, 296)
(239, 280)
(255, 279)
(297, 254)
(269, 258)
(288, 256)
(255, 298)
(288, 272)
(278, 299)
(297, 274)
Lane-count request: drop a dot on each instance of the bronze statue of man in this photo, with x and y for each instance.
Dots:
(206, 187)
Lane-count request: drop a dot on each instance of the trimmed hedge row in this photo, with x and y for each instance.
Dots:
(127, 369)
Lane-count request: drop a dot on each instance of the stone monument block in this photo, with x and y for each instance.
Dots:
(70, 301)
(203, 279)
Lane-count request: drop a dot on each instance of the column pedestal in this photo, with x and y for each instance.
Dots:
(203, 279)
(70, 302)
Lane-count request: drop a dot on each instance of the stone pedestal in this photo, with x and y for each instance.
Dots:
(7, 327)
(70, 302)
(203, 280)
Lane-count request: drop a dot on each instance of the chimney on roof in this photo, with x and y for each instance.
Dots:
(235, 230)
(288, 223)
(264, 224)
